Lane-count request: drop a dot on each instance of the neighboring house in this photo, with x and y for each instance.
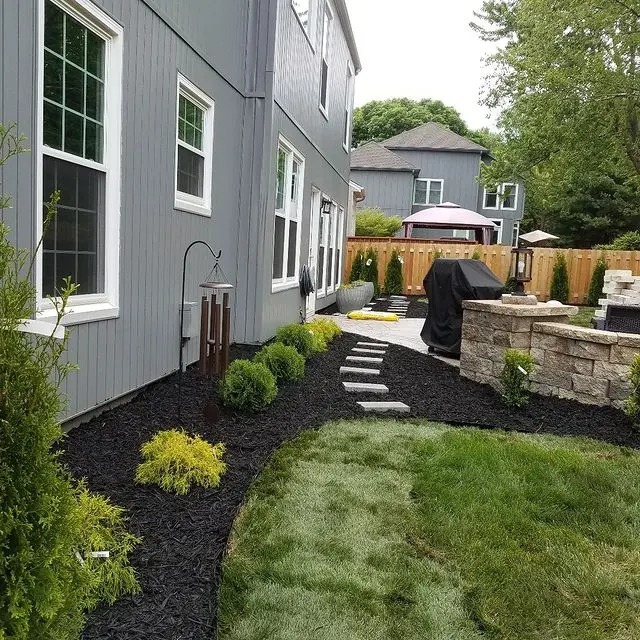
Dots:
(429, 165)
(163, 122)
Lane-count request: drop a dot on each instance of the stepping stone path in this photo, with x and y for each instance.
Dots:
(374, 354)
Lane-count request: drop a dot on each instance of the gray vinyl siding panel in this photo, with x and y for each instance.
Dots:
(391, 191)
(297, 79)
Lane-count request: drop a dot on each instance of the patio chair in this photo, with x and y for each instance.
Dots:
(622, 317)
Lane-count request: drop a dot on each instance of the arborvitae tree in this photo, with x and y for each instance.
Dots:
(356, 267)
(597, 282)
(370, 269)
(393, 275)
(560, 280)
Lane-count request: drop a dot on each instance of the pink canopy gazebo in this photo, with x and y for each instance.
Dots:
(449, 215)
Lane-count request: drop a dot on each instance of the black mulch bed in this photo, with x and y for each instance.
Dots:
(417, 306)
(184, 538)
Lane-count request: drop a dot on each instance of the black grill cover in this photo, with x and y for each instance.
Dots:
(447, 284)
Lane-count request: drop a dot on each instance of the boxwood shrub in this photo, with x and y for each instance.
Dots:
(301, 338)
(324, 328)
(286, 364)
(248, 386)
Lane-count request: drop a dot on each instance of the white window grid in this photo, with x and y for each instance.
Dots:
(499, 193)
(429, 182)
(499, 222)
(327, 21)
(346, 143)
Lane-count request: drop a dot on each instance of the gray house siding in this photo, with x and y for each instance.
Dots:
(391, 191)
(119, 355)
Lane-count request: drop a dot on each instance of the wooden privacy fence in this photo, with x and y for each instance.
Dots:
(418, 256)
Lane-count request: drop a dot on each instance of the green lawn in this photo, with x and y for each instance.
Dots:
(377, 530)
(583, 319)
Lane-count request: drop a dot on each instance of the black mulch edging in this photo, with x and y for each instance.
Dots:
(417, 306)
(184, 537)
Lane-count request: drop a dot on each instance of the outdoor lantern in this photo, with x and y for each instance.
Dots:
(521, 267)
(326, 206)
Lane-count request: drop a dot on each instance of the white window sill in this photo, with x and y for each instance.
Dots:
(192, 207)
(81, 314)
(284, 286)
(323, 111)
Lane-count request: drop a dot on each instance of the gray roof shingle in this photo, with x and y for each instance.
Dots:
(433, 137)
(374, 156)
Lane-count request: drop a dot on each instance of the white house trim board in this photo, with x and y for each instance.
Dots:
(111, 32)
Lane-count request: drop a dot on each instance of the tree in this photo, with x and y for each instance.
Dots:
(597, 282)
(375, 223)
(560, 280)
(356, 266)
(382, 119)
(393, 275)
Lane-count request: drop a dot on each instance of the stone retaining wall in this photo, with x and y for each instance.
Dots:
(571, 362)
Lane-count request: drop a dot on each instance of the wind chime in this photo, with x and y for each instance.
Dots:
(215, 323)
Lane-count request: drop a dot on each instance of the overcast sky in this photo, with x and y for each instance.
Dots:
(421, 49)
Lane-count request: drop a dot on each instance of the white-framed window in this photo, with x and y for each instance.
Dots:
(505, 196)
(428, 191)
(348, 104)
(337, 271)
(330, 254)
(78, 140)
(194, 148)
(303, 11)
(496, 237)
(288, 216)
(515, 236)
(327, 19)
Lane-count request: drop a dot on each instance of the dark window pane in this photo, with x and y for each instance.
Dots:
(182, 111)
(49, 177)
(95, 55)
(197, 139)
(67, 177)
(87, 274)
(491, 200)
(93, 142)
(323, 85)
(74, 50)
(95, 98)
(280, 179)
(53, 34)
(337, 269)
(52, 126)
(73, 133)
(190, 172)
(278, 247)
(329, 264)
(74, 88)
(49, 235)
(191, 112)
(48, 273)
(53, 77)
(65, 266)
(87, 189)
(181, 129)
(434, 193)
(87, 231)
(291, 254)
(65, 229)
(320, 268)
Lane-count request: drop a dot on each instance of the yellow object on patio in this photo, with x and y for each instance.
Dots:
(372, 315)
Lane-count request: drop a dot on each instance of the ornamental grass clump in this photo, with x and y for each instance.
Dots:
(393, 275)
(175, 461)
(103, 527)
(324, 328)
(286, 364)
(248, 386)
(301, 339)
(515, 378)
(632, 404)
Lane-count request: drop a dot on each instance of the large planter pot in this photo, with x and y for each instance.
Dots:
(371, 291)
(352, 298)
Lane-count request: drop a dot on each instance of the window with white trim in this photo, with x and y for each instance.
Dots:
(81, 69)
(496, 236)
(286, 235)
(428, 191)
(327, 18)
(194, 148)
(505, 196)
(338, 252)
(346, 143)
(302, 9)
(516, 234)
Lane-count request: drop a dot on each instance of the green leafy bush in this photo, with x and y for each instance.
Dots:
(510, 285)
(393, 275)
(476, 255)
(632, 405)
(286, 364)
(325, 329)
(629, 241)
(370, 269)
(560, 280)
(356, 266)
(175, 461)
(597, 282)
(301, 339)
(248, 386)
(103, 528)
(515, 378)
(375, 223)
(437, 254)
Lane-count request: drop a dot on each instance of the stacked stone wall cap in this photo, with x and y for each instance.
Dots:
(576, 333)
(529, 300)
(618, 272)
(540, 310)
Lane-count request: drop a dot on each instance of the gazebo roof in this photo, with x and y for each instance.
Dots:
(449, 215)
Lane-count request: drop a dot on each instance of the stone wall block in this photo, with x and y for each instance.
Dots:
(592, 350)
(475, 364)
(590, 385)
(629, 340)
(537, 355)
(619, 389)
(583, 398)
(610, 371)
(623, 355)
(511, 340)
(521, 325)
(551, 378)
(544, 389)
(570, 364)
(477, 333)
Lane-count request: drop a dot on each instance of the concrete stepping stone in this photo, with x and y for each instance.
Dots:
(372, 351)
(397, 297)
(363, 359)
(360, 371)
(365, 387)
(384, 407)
(382, 345)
